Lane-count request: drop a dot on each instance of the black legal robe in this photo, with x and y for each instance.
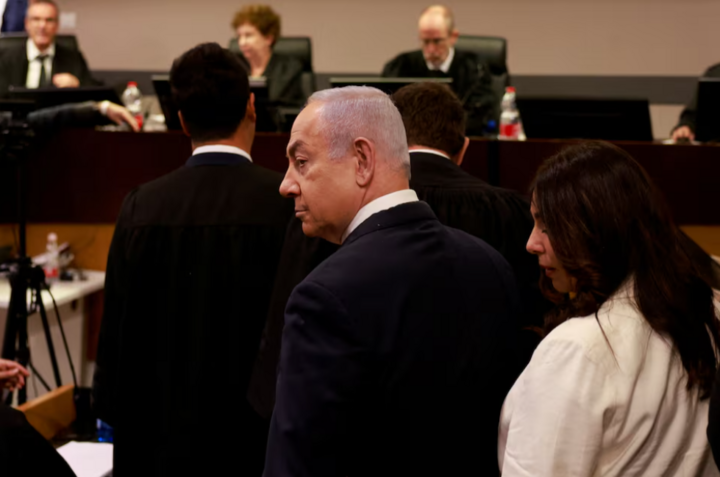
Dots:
(284, 76)
(500, 217)
(189, 277)
(24, 451)
(472, 83)
(689, 115)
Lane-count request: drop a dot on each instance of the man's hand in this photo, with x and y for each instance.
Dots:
(12, 375)
(65, 80)
(683, 132)
(119, 115)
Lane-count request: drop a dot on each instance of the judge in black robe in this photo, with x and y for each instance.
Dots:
(471, 82)
(189, 278)
(284, 77)
(688, 118)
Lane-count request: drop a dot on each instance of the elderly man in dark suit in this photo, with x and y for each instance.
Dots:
(398, 349)
(438, 58)
(41, 62)
(189, 277)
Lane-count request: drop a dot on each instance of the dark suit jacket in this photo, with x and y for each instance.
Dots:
(398, 351)
(23, 451)
(189, 277)
(14, 66)
(498, 216)
(688, 116)
(472, 83)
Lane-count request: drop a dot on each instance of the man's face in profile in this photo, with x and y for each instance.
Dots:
(325, 190)
(41, 24)
(436, 38)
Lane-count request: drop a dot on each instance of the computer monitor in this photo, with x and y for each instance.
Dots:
(50, 96)
(258, 86)
(582, 118)
(707, 121)
(387, 85)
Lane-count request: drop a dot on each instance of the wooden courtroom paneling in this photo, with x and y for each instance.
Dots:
(688, 176)
(82, 176)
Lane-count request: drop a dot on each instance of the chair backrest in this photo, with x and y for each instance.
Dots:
(299, 47)
(13, 40)
(493, 51)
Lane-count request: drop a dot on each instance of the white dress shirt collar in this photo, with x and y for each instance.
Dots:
(33, 51)
(430, 151)
(222, 148)
(445, 66)
(32, 80)
(378, 205)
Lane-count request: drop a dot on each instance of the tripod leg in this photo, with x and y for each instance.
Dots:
(48, 338)
(15, 345)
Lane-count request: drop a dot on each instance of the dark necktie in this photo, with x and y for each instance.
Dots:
(43, 74)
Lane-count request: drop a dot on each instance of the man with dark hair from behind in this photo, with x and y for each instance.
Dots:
(435, 127)
(189, 277)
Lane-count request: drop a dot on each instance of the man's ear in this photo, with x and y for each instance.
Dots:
(458, 158)
(183, 125)
(364, 152)
(453, 36)
(250, 112)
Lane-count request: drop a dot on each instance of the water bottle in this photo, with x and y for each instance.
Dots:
(510, 123)
(52, 265)
(105, 432)
(132, 99)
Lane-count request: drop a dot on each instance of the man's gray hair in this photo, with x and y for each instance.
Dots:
(360, 111)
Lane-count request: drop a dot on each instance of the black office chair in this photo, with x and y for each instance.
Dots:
(493, 51)
(12, 40)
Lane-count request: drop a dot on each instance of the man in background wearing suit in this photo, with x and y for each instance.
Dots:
(189, 277)
(438, 58)
(435, 125)
(399, 348)
(42, 62)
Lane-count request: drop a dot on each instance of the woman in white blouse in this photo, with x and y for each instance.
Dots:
(619, 385)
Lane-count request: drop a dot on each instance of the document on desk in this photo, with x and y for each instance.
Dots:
(88, 459)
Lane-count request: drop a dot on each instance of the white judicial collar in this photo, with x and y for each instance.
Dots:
(222, 148)
(33, 75)
(445, 66)
(378, 205)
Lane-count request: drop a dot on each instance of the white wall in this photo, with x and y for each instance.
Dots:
(588, 37)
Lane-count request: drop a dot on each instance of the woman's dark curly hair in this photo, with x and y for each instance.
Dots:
(607, 222)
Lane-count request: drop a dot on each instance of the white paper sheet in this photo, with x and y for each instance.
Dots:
(88, 459)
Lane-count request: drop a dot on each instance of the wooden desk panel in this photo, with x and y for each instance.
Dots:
(688, 176)
(82, 176)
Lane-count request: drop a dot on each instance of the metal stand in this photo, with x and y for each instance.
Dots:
(24, 276)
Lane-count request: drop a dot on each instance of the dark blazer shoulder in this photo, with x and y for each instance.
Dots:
(402, 62)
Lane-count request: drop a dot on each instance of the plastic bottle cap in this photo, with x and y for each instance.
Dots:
(131, 84)
(510, 89)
